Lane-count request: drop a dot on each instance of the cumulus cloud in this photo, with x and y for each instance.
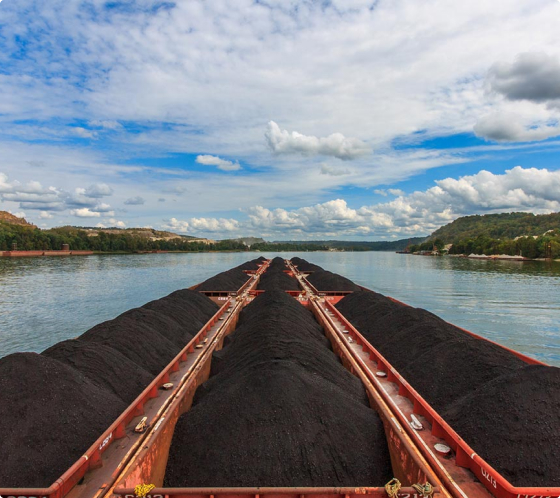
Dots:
(202, 225)
(5, 186)
(84, 213)
(508, 128)
(420, 213)
(33, 196)
(332, 218)
(45, 215)
(222, 164)
(135, 201)
(336, 145)
(533, 76)
(331, 171)
(117, 223)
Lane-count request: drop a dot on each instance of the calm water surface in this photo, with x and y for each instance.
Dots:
(46, 300)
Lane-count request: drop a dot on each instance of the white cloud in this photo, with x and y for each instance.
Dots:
(135, 201)
(116, 223)
(83, 132)
(176, 225)
(45, 215)
(330, 218)
(84, 213)
(420, 213)
(82, 202)
(374, 73)
(336, 144)
(202, 225)
(222, 164)
(329, 170)
(5, 186)
(19, 214)
(213, 224)
(187, 79)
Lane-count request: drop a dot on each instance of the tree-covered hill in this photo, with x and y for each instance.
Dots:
(497, 226)
(514, 234)
(111, 240)
(28, 237)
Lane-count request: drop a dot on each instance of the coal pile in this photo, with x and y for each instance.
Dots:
(360, 307)
(253, 264)
(277, 426)
(324, 280)
(280, 411)
(513, 422)
(273, 281)
(56, 405)
(187, 309)
(457, 367)
(230, 280)
(103, 366)
(305, 266)
(153, 335)
(439, 360)
(277, 263)
(266, 333)
(140, 343)
(274, 278)
(51, 414)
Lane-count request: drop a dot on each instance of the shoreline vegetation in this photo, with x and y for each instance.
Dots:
(520, 236)
(18, 236)
(507, 236)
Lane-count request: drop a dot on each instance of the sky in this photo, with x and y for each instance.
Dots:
(283, 119)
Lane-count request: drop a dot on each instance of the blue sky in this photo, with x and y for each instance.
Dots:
(283, 119)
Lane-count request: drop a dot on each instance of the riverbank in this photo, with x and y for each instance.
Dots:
(491, 257)
(35, 254)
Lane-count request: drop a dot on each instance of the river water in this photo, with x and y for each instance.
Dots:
(46, 300)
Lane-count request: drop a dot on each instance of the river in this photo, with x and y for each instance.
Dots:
(46, 300)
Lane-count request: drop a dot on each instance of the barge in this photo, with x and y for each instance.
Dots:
(427, 457)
